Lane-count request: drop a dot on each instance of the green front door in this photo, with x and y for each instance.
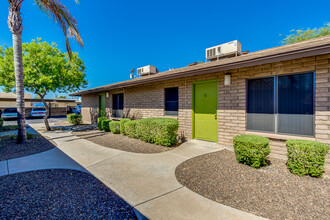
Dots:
(102, 105)
(205, 104)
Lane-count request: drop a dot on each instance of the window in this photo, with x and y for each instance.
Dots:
(117, 105)
(171, 101)
(281, 104)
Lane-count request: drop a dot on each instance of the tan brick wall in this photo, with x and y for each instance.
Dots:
(90, 108)
(148, 100)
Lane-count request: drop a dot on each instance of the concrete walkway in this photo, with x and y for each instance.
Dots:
(145, 181)
(51, 159)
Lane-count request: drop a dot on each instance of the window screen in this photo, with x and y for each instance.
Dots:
(118, 101)
(296, 104)
(260, 105)
(117, 105)
(296, 94)
(171, 101)
(261, 96)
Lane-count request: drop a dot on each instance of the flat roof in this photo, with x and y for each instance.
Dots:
(39, 100)
(313, 47)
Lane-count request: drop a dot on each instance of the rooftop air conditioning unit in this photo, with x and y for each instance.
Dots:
(230, 49)
(146, 70)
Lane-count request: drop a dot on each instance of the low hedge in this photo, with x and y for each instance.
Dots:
(251, 150)
(122, 124)
(99, 122)
(115, 127)
(105, 125)
(1, 122)
(73, 118)
(130, 130)
(161, 131)
(306, 157)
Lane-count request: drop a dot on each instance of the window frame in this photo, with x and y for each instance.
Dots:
(114, 111)
(176, 113)
(276, 103)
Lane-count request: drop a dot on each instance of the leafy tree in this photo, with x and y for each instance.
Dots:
(302, 35)
(46, 69)
(60, 96)
(55, 10)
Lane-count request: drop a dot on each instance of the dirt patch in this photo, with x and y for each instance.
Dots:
(272, 191)
(9, 149)
(120, 142)
(59, 194)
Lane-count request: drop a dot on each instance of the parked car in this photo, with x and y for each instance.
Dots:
(77, 110)
(38, 112)
(9, 113)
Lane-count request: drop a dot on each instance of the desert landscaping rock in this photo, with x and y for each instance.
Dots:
(120, 142)
(9, 149)
(52, 194)
(272, 191)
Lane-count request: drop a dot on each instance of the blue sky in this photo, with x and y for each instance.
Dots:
(121, 35)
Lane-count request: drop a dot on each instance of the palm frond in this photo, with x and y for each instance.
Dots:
(55, 10)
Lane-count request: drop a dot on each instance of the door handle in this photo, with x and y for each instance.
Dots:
(215, 115)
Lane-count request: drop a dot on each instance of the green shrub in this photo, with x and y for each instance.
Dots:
(122, 124)
(99, 122)
(73, 118)
(251, 150)
(1, 122)
(115, 127)
(29, 135)
(306, 157)
(161, 131)
(130, 130)
(101, 113)
(105, 125)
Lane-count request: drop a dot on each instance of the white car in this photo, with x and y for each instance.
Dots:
(38, 112)
(9, 113)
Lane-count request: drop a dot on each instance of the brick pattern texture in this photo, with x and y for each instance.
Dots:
(148, 100)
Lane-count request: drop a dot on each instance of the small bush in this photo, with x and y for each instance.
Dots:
(130, 130)
(99, 122)
(8, 127)
(115, 127)
(122, 124)
(306, 157)
(73, 118)
(161, 131)
(1, 122)
(105, 125)
(251, 150)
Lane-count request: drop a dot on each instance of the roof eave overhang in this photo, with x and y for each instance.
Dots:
(296, 54)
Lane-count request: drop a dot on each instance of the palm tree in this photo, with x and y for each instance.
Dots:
(61, 15)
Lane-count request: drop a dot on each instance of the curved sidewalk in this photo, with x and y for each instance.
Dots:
(145, 181)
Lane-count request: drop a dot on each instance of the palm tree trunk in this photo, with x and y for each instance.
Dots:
(19, 78)
(16, 27)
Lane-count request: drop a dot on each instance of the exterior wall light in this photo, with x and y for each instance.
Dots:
(227, 79)
(107, 94)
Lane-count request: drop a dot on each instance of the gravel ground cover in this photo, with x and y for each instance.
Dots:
(272, 191)
(9, 149)
(59, 194)
(120, 142)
